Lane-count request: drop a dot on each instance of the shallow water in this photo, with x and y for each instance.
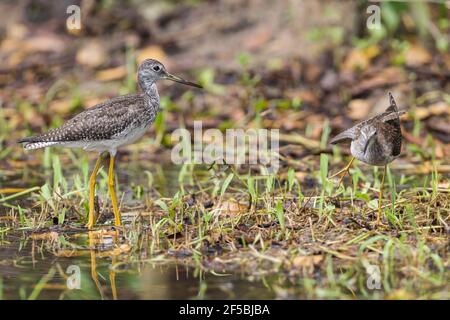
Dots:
(29, 271)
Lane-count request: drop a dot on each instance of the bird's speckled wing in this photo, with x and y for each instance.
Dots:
(391, 119)
(345, 136)
(363, 137)
(367, 135)
(101, 122)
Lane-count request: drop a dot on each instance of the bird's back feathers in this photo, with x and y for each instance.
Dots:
(104, 121)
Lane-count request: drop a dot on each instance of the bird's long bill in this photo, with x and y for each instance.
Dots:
(180, 80)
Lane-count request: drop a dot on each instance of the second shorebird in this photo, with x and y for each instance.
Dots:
(110, 125)
(376, 141)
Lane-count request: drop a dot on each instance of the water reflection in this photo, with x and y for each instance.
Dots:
(30, 270)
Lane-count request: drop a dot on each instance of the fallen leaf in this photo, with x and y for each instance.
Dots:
(359, 59)
(385, 77)
(417, 55)
(152, 52)
(307, 262)
(257, 39)
(90, 102)
(359, 109)
(439, 151)
(12, 190)
(316, 124)
(444, 184)
(47, 43)
(16, 31)
(111, 74)
(301, 176)
(439, 108)
(400, 294)
(230, 208)
(446, 59)
(91, 55)
(312, 72)
(61, 106)
(302, 95)
(439, 124)
(436, 109)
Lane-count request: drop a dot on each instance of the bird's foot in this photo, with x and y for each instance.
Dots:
(342, 175)
(343, 172)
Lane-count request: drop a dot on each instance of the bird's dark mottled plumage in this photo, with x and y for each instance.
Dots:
(376, 141)
(103, 121)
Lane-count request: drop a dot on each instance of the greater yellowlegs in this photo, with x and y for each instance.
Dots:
(376, 141)
(109, 125)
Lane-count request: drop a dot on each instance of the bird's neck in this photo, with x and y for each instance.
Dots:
(151, 94)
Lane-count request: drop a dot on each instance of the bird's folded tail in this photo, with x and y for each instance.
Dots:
(392, 113)
(392, 104)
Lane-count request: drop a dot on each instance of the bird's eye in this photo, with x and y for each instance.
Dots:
(156, 68)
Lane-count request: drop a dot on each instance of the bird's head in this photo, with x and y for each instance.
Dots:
(151, 70)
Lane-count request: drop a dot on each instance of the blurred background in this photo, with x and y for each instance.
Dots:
(298, 63)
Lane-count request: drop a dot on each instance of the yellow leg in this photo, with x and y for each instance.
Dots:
(94, 274)
(380, 196)
(92, 179)
(112, 192)
(344, 171)
(112, 279)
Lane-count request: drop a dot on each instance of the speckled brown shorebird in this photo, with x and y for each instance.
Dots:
(376, 141)
(109, 125)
